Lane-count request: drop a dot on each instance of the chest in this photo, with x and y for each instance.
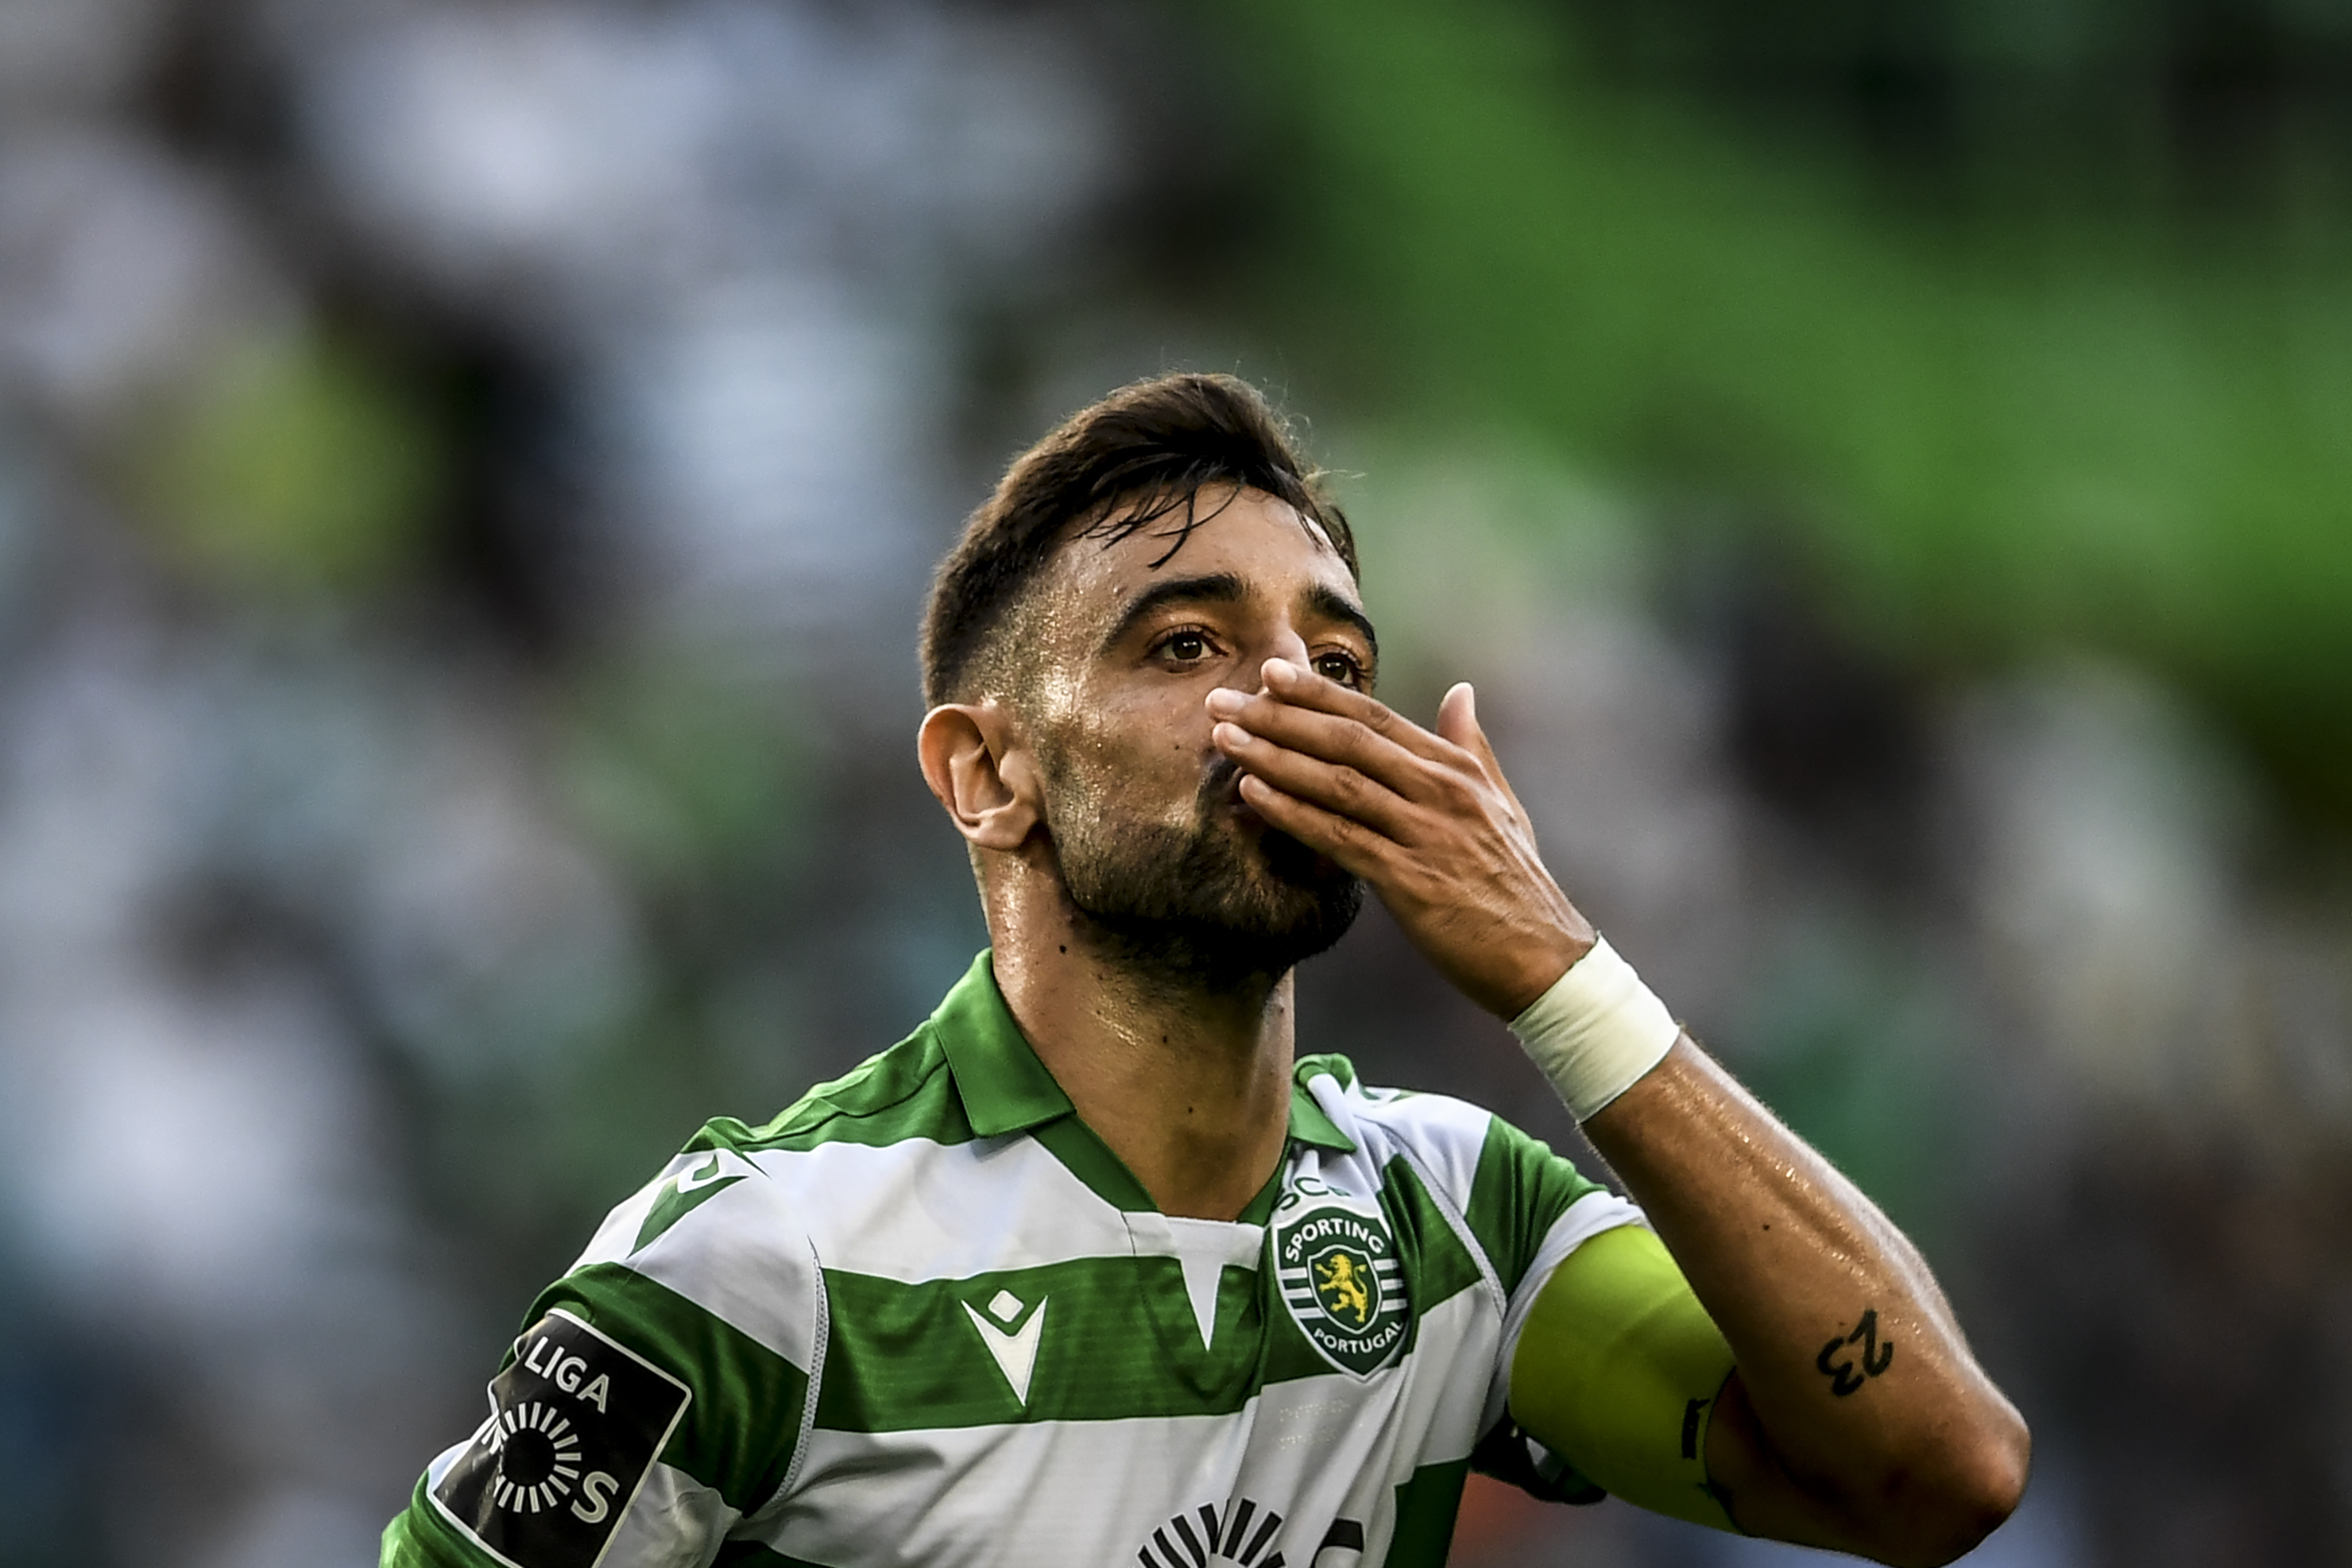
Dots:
(1253, 1395)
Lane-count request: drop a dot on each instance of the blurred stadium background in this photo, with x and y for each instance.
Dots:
(468, 471)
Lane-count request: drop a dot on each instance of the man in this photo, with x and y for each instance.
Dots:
(1088, 1271)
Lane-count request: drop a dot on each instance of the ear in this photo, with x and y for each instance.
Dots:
(984, 777)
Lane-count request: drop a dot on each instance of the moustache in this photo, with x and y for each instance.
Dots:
(1222, 784)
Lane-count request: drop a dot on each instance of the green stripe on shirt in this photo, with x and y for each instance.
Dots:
(739, 1431)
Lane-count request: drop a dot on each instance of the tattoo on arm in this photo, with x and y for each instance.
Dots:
(1874, 1359)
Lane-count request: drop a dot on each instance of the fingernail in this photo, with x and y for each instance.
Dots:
(1224, 701)
(1280, 672)
(1228, 736)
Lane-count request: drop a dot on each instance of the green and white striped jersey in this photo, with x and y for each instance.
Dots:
(926, 1317)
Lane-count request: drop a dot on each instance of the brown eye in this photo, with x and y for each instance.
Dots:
(1338, 667)
(1185, 648)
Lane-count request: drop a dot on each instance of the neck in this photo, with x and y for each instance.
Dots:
(1185, 1077)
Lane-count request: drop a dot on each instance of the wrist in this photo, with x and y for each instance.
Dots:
(1596, 1030)
(1531, 973)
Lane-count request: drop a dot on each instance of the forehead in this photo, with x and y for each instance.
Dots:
(1257, 538)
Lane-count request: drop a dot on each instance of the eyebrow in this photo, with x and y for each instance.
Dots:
(1329, 603)
(1211, 588)
(1225, 588)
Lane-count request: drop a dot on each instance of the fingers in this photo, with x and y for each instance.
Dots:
(1353, 847)
(1325, 737)
(1301, 708)
(1338, 787)
(1298, 687)
(1326, 745)
(1457, 723)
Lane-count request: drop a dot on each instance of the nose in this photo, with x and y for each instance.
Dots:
(1286, 644)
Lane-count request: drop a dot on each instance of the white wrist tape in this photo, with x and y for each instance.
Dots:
(1596, 1030)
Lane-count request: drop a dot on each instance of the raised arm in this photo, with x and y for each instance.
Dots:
(1856, 1418)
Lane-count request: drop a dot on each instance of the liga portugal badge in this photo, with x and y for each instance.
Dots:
(1338, 1268)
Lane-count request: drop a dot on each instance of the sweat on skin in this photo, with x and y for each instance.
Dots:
(1088, 1269)
(1271, 673)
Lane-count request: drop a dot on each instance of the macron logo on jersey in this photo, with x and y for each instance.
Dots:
(1011, 1328)
(694, 1186)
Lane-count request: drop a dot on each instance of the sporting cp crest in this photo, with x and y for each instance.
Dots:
(1340, 1278)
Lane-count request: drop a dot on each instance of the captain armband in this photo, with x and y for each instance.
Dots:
(1597, 1030)
(1618, 1372)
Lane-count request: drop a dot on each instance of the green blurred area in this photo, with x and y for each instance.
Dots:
(1960, 307)
(2083, 402)
(296, 464)
(688, 778)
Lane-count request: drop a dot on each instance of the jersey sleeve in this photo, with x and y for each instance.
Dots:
(1617, 1375)
(657, 1397)
(1530, 1209)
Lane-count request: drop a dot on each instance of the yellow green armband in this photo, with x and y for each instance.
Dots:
(1617, 1372)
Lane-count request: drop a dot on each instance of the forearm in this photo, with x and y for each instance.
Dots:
(1905, 1452)
(1854, 1384)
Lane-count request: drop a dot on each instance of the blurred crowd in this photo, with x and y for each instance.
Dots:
(468, 471)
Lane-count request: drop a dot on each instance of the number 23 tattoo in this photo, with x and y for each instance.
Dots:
(1875, 1357)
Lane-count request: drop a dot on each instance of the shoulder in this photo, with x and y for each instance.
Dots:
(1513, 1192)
(726, 1224)
(1445, 1138)
(905, 1093)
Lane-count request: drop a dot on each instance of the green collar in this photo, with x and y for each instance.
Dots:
(1006, 1089)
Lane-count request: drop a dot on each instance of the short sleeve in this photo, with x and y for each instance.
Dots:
(657, 1397)
(1529, 1209)
(1619, 1374)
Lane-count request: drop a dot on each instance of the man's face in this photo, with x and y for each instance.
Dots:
(1154, 843)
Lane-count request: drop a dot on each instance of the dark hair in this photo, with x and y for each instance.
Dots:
(1139, 455)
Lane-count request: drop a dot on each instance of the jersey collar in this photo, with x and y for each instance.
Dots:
(1006, 1089)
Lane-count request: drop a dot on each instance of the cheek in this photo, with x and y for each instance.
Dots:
(1139, 759)
(1162, 721)
(1058, 699)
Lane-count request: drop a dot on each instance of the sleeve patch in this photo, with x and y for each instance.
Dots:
(575, 1424)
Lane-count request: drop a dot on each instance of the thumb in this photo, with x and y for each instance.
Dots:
(1457, 721)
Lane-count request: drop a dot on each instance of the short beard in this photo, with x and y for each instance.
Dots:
(1203, 910)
